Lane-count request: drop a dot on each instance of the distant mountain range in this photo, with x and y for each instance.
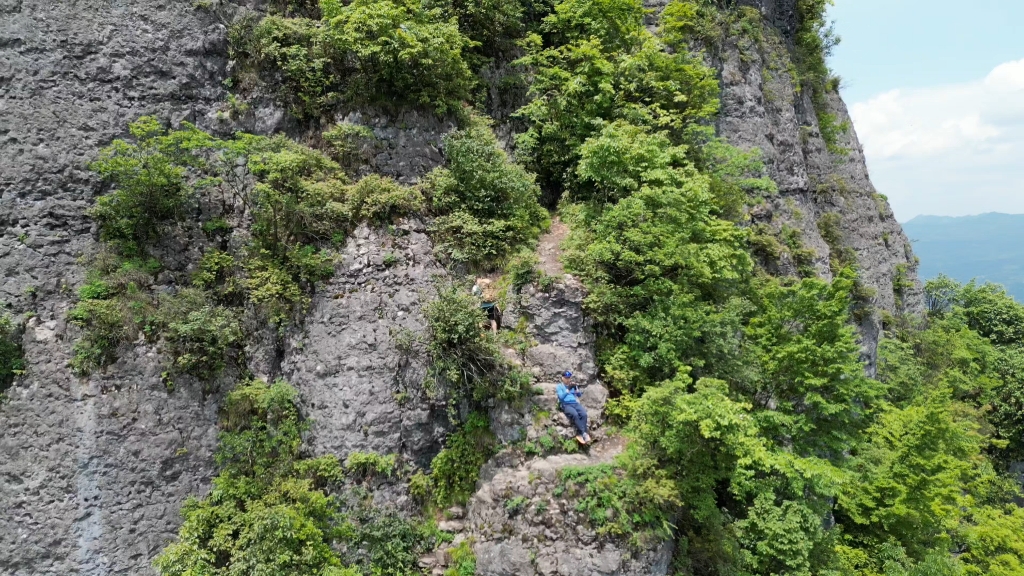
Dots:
(989, 247)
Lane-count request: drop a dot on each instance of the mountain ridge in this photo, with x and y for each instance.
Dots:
(983, 247)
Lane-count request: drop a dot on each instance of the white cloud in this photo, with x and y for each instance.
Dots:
(948, 150)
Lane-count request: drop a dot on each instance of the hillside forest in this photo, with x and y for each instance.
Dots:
(758, 442)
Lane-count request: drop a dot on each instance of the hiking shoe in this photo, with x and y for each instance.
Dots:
(580, 439)
(586, 438)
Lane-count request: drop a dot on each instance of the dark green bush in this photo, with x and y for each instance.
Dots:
(12, 362)
(150, 180)
(261, 514)
(465, 361)
(494, 26)
(351, 144)
(381, 200)
(521, 269)
(402, 51)
(366, 51)
(454, 471)
(296, 55)
(487, 206)
(200, 334)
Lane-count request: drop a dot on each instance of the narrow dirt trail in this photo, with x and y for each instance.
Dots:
(549, 248)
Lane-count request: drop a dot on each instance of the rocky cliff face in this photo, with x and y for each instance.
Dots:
(762, 108)
(94, 470)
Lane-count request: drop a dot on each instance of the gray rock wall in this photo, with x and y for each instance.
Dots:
(763, 108)
(93, 471)
(363, 393)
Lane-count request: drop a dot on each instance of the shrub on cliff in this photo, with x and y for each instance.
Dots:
(269, 511)
(366, 51)
(487, 206)
(466, 364)
(11, 361)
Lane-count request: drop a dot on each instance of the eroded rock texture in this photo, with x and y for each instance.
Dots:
(362, 392)
(93, 471)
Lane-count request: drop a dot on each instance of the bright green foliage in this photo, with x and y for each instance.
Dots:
(686, 22)
(992, 312)
(268, 512)
(616, 504)
(737, 178)
(650, 258)
(910, 477)
(12, 362)
(149, 177)
(366, 51)
(403, 50)
(487, 206)
(976, 346)
(809, 371)
(455, 470)
(700, 440)
(466, 363)
(382, 200)
(370, 464)
(463, 560)
(260, 516)
(296, 200)
(814, 41)
(597, 64)
(616, 23)
(297, 52)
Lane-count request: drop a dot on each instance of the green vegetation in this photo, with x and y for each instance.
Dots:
(271, 510)
(463, 560)
(11, 361)
(756, 439)
(466, 364)
(751, 418)
(455, 470)
(295, 200)
(594, 64)
(368, 464)
(393, 52)
(486, 205)
(815, 39)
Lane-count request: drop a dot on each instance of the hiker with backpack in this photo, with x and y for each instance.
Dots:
(569, 395)
(488, 295)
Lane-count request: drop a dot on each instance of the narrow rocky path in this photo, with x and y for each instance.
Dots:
(520, 521)
(549, 248)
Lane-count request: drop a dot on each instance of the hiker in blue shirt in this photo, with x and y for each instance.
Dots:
(569, 401)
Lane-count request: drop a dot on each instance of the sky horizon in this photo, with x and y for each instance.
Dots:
(936, 93)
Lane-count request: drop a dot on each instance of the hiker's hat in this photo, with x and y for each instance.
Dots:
(567, 374)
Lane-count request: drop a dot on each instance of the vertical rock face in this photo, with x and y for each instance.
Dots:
(93, 471)
(362, 392)
(763, 107)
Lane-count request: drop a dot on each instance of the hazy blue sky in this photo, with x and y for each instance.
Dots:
(936, 90)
